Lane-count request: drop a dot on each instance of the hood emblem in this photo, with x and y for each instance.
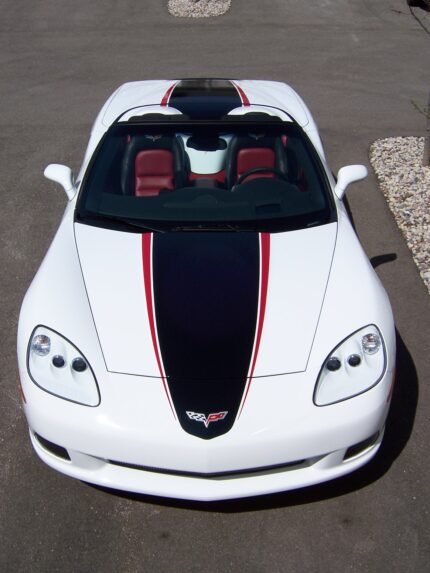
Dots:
(214, 417)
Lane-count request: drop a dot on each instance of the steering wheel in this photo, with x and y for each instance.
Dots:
(277, 172)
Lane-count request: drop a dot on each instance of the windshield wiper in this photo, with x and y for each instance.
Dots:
(142, 226)
(207, 227)
(124, 221)
(314, 223)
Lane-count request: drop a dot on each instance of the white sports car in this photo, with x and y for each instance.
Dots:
(205, 324)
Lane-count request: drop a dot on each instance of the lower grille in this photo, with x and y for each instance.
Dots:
(215, 475)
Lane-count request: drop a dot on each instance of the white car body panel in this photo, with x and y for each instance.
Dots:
(53, 297)
(112, 265)
(321, 289)
(133, 95)
(299, 269)
(126, 426)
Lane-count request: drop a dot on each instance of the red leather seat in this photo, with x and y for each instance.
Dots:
(153, 164)
(252, 157)
(153, 171)
(248, 152)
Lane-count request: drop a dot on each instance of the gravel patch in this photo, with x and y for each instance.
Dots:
(198, 8)
(404, 181)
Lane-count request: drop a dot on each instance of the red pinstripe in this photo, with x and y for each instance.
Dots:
(147, 279)
(264, 282)
(242, 94)
(166, 97)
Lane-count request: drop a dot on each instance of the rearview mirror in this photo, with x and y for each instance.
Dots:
(63, 175)
(348, 175)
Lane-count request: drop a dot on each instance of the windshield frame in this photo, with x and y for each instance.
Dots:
(181, 124)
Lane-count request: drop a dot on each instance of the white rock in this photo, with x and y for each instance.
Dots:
(198, 8)
(405, 183)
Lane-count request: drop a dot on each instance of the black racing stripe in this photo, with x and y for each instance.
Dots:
(205, 98)
(206, 299)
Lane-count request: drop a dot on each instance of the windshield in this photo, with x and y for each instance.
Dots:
(197, 175)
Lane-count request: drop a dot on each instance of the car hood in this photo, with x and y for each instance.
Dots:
(201, 305)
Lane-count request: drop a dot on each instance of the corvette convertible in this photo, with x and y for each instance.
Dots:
(205, 324)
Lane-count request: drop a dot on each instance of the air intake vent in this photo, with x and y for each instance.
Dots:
(359, 448)
(53, 449)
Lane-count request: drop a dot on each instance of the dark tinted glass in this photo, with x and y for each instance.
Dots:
(241, 175)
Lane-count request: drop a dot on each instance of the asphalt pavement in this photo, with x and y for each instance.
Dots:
(360, 65)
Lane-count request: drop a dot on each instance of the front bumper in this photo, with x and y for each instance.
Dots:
(230, 486)
(281, 441)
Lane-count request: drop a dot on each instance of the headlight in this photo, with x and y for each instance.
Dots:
(353, 367)
(57, 366)
(41, 344)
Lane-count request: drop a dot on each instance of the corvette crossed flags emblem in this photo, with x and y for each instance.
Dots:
(214, 417)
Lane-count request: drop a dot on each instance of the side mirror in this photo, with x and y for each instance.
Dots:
(348, 175)
(63, 175)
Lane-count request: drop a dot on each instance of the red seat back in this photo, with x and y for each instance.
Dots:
(154, 171)
(253, 157)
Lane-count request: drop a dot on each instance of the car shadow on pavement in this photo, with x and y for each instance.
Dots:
(382, 259)
(420, 4)
(398, 430)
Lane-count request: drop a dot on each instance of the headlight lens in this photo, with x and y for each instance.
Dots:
(41, 344)
(353, 367)
(371, 343)
(58, 367)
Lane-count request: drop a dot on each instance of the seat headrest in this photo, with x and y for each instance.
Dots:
(206, 143)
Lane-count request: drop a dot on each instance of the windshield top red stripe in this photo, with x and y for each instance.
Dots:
(242, 94)
(166, 97)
